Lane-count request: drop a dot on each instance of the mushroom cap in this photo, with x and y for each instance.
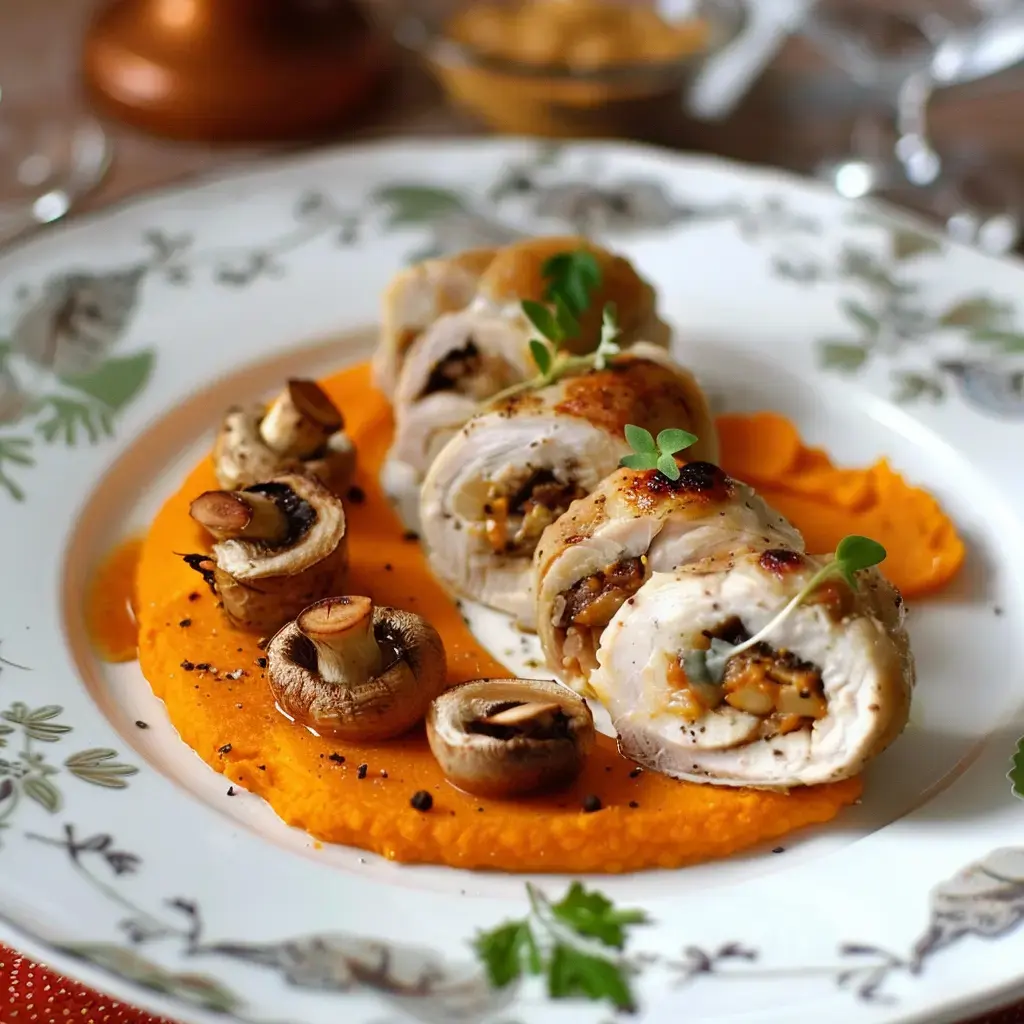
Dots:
(387, 705)
(242, 458)
(263, 586)
(254, 560)
(506, 761)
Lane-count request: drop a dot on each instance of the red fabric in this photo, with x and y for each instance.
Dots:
(31, 994)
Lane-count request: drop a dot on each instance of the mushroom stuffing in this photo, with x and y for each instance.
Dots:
(318, 652)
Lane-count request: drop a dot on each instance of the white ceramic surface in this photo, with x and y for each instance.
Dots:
(121, 338)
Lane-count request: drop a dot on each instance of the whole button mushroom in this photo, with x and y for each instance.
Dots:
(280, 545)
(302, 431)
(350, 670)
(510, 737)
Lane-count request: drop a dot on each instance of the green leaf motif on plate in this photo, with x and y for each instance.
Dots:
(1005, 341)
(99, 767)
(43, 791)
(907, 243)
(862, 316)
(913, 387)
(417, 204)
(117, 381)
(845, 356)
(197, 989)
(978, 312)
(28, 775)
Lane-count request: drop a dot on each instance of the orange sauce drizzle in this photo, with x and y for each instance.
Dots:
(110, 603)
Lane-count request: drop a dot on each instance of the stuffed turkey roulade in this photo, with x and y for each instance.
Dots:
(825, 689)
(463, 358)
(515, 468)
(637, 522)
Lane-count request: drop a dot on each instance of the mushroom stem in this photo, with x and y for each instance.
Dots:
(532, 713)
(341, 629)
(231, 515)
(300, 420)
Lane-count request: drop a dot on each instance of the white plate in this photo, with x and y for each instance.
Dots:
(125, 332)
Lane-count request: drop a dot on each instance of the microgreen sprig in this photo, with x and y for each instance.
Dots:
(659, 452)
(571, 278)
(852, 554)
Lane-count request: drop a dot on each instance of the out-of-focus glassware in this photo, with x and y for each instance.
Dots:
(569, 67)
(899, 52)
(52, 150)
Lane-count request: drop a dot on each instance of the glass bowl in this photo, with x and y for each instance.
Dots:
(549, 98)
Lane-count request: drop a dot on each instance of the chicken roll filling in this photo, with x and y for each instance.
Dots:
(777, 686)
(515, 520)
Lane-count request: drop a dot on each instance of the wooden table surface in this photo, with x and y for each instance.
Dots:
(781, 123)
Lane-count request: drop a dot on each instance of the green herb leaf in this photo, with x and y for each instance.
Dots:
(571, 277)
(590, 912)
(507, 951)
(571, 973)
(567, 323)
(715, 658)
(640, 460)
(667, 466)
(640, 440)
(1016, 772)
(695, 665)
(542, 319)
(541, 355)
(854, 553)
(575, 931)
(674, 440)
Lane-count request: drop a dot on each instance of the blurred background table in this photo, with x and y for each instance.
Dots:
(799, 109)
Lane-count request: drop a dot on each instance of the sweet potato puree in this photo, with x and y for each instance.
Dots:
(211, 678)
(826, 503)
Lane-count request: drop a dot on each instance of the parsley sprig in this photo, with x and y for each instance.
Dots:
(1016, 772)
(656, 453)
(575, 943)
(852, 554)
(571, 279)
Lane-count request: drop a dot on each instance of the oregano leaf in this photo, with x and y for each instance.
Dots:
(667, 466)
(640, 440)
(674, 440)
(542, 319)
(541, 354)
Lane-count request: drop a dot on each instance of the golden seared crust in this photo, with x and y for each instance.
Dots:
(634, 389)
(515, 274)
(634, 493)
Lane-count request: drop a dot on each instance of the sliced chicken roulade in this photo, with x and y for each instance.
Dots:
(463, 358)
(826, 690)
(415, 298)
(637, 522)
(514, 469)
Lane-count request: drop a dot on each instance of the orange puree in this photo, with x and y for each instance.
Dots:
(234, 726)
(109, 604)
(826, 503)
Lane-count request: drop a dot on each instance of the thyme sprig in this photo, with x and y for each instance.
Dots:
(571, 279)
